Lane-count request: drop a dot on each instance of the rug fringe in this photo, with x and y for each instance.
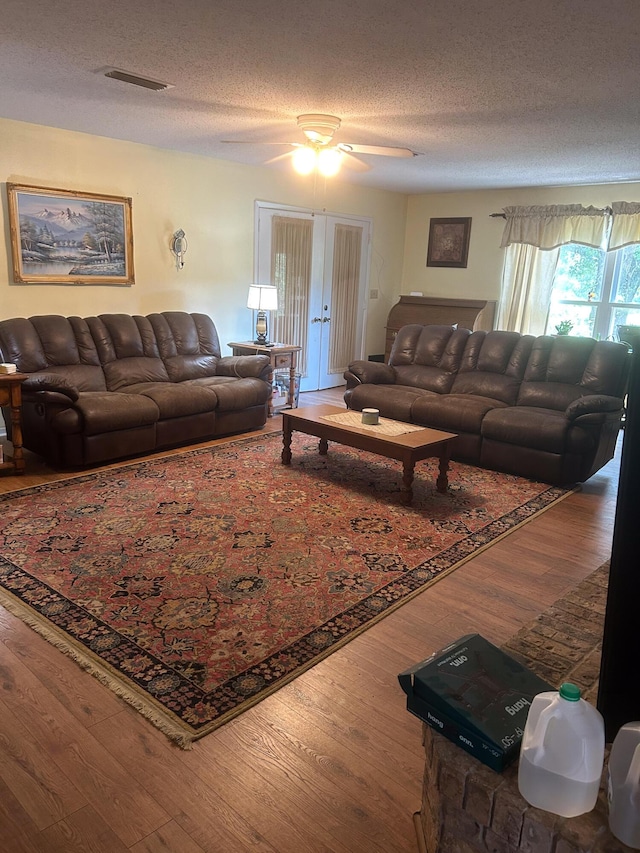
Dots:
(98, 670)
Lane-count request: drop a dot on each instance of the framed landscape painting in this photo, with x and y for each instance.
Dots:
(449, 242)
(65, 237)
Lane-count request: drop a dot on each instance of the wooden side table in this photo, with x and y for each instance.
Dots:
(283, 357)
(11, 395)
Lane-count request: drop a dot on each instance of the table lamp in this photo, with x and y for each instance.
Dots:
(262, 298)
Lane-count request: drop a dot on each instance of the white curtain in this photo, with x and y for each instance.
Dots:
(527, 281)
(291, 246)
(625, 227)
(344, 296)
(532, 237)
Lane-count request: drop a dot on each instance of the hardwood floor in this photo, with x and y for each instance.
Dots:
(331, 763)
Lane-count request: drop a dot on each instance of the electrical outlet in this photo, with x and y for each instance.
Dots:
(373, 294)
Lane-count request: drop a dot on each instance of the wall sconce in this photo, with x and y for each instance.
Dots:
(179, 248)
(262, 298)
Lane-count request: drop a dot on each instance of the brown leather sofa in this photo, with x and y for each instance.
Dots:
(547, 408)
(116, 385)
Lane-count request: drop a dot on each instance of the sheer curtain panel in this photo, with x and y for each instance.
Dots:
(344, 296)
(291, 249)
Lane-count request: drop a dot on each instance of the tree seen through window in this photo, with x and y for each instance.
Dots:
(596, 291)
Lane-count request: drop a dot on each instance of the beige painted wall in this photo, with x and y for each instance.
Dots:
(481, 278)
(212, 200)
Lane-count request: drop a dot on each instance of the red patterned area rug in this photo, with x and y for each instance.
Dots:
(196, 584)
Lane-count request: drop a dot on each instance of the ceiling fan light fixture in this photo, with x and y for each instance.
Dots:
(318, 127)
(305, 159)
(329, 162)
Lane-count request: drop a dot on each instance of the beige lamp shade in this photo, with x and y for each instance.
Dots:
(263, 297)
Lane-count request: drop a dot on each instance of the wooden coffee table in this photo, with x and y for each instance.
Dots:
(407, 447)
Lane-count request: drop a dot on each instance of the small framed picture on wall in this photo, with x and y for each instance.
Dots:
(449, 242)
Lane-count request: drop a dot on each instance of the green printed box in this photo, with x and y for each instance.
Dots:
(476, 695)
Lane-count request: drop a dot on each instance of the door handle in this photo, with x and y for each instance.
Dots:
(326, 319)
(317, 320)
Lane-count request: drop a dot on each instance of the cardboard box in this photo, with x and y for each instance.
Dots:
(476, 696)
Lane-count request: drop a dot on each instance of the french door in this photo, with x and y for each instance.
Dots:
(320, 264)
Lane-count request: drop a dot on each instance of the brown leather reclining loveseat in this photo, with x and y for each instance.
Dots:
(546, 408)
(116, 385)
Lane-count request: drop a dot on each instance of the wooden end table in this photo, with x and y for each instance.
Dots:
(11, 395)
(408, 447)
(283, 357)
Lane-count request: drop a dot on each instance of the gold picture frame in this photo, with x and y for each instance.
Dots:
(449, 242)
(67, 237)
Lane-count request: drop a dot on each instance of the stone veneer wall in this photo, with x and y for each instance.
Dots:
(469, 808)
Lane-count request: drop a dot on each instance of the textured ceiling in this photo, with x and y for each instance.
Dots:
(492, 94)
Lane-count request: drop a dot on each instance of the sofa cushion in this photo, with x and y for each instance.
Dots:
(453, 412)
(423, 376)
(493, 386)
(124, 372)
(175, 400)
(98, 412)
(548, 395)
(562, 369)
(493, 364)
(127, 350)
(428, 356)
(536, 428)
(187, 343)
(122, 336)
(393, 401)
(182, 367)
(235, 394)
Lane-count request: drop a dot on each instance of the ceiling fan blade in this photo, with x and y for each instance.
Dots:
(286, 155)
(355, 163)
(384, 150)
(257, 142)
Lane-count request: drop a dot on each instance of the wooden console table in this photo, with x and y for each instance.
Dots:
(11, 395)
(283, 357)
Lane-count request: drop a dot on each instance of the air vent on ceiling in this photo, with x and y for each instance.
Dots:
(145, 82)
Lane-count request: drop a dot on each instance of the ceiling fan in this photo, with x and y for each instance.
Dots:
(319, 150)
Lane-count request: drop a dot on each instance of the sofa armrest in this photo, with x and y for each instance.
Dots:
(50, 382)
(594, 404)
(245, 366)
(369, 373)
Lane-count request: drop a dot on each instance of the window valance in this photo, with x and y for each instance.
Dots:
(550, 226)
(625, 224)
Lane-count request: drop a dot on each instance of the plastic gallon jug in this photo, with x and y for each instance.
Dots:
(624, 786)
(562, 753)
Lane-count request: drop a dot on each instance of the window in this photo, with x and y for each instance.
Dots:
(596, 291)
